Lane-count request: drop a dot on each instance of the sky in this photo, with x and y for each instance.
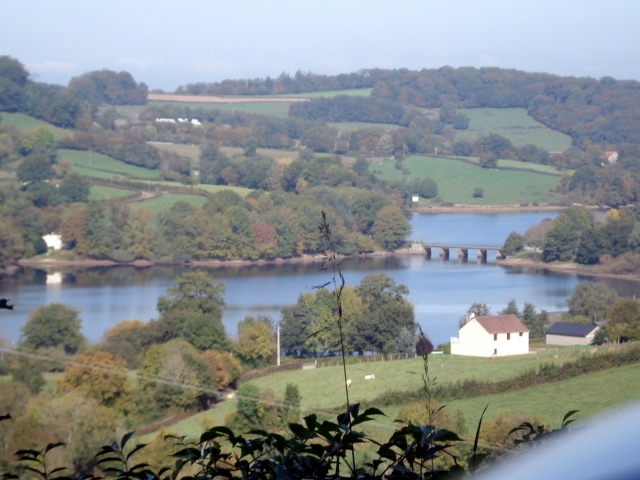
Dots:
(168, 43)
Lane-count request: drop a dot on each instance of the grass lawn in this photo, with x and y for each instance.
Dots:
(273, 153)
(24, 123)
(93, 164)
(591, 394)
(358, 92)
(457, 181)
(529, 166)
(514, 124)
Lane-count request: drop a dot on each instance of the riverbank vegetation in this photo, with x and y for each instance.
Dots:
(606, 245)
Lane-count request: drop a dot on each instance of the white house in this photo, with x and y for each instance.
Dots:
(53, 241)
(491, 336)
(565, 333)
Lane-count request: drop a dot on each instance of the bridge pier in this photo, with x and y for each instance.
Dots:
(463, 254)
(482, 256)
(444, 253)
(428, 250)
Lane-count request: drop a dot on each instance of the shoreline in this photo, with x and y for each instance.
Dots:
(480, 209)
(584, 270)
(572, 268)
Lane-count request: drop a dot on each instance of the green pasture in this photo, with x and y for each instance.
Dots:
(165, 202)
(529, 166)
(323, 388)
(100, 192)
(457, 181)
(128, 111)
(186, 150)
(279, 109)
(93, 164)
(514, 124)
(25, 123)
(592, 393)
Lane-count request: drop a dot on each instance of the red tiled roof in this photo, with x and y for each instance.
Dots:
(502, 324)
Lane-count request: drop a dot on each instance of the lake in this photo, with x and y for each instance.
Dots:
(440, 291)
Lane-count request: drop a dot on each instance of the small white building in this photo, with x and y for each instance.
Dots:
(491, 336)
(566, 333)
(53, 241)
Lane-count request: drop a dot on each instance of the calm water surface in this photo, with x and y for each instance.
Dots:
(441, 291)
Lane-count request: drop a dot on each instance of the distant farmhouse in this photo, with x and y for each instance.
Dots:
(611, 157)
(491, 336)
(565, 333)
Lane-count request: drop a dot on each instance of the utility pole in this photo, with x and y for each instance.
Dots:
(278, 341)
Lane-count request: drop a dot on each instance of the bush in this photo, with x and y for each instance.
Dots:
(478, 192)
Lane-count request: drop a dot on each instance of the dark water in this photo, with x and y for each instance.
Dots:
(441, 291)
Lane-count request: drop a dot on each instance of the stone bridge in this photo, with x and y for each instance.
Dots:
(463, 250)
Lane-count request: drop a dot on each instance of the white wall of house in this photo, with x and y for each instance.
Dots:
(53, 241)
(567, 340)
(474, 340)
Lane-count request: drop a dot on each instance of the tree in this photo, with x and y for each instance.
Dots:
(291, 404)
(513, 244)
(176, 375)
(256, 343)
(462, 148)
(391, 228)
(27, 371)
(75, 188)
(406, 342)
(385, 313)
(488, 160)
(192, 308)
(426, 188)
(34, 168)
(478, 309)
(224, 368)
(592, 300)
(55, 325)
(102, 376)
(623, 320)
(39, 141)
(511, 309)
(536, 235)
(423, 345)
(461, 121)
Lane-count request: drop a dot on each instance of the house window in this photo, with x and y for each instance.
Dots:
(495, 336)
(520, 333)
(508, 336)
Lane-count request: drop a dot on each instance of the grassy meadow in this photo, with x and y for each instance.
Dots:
(100, 192)
(279, 109)
(185, 150)
(93, 164)
(457, 181)
(165, 202)
(25, 123)
(322, 389)
(514, 124)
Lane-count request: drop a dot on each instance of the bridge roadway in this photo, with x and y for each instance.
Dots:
(463, 250)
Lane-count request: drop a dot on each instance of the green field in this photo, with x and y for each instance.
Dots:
(358, 92)
(457, 181)
(93, 164)
(166, 201)
(591, 394)
(322, 389)
(279, 109)
(514, 124)
(25, 122)
(100, 192)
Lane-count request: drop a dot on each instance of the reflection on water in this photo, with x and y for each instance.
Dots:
(440, 291)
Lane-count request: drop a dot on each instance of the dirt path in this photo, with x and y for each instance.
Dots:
(167, 97)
